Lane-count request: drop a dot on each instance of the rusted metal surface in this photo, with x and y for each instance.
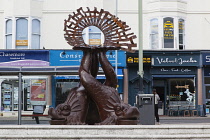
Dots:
(116, 32)
(93, 102)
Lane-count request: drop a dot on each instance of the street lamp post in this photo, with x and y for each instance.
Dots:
(116, 53)
(140, 72)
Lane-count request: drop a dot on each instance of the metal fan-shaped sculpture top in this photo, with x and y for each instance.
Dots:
(116, 32)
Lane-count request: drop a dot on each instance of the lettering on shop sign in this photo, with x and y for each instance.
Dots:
(12, 56)
(185, 70)
(207, 58)
(179, 61)
(78, 57)
(4, 54)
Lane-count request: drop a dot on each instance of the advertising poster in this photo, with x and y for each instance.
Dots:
(38, 90)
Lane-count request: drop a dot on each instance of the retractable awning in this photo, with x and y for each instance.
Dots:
(49, 70)
(100, 76)
(173, 76)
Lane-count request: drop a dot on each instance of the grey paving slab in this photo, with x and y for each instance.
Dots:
(164, 120)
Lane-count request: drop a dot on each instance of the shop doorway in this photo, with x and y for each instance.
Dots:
(161, 104)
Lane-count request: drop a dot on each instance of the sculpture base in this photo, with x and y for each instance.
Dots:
(120, 122)
(128, 122)
(57, 122)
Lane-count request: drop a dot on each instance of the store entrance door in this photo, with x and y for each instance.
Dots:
(161, 86)
(161, 93)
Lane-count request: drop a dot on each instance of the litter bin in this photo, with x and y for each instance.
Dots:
(145, 104)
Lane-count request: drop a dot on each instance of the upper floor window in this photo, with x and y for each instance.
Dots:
(8, 34)
(168, 32)
(22, 33)
(35, 39)
(169, 35)
(154, 34)
(181, 34)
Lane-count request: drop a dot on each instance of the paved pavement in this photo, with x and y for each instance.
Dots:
(164, 120)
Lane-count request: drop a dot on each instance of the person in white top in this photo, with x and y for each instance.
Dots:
(157, 98)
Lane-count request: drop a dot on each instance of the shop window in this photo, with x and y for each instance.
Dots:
(182, 90)
(34, 92)
(206, 80)
(207, 92)
(63, 86)
(25, 35)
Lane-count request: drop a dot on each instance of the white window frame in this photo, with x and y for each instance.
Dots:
(176, 33)
(182, 33)
(151, 34)
(14, 21)
(31, 28)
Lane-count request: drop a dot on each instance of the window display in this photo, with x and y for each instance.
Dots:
(33, 93)
(182, 90)
(6, 96)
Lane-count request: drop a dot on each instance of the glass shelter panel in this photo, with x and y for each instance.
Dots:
(10, 88)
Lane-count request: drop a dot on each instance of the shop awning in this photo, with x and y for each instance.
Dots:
(50, 70)
(67, 72)
(173, 76)
(100, 76)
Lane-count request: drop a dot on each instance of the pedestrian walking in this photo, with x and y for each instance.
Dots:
(157, 98)
(38, 109)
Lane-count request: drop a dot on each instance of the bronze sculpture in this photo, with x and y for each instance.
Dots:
(109, 108)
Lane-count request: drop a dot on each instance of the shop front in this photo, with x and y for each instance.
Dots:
(34, 89)
(61, 84)
(34, 92)
(206, 79)
(173, 74)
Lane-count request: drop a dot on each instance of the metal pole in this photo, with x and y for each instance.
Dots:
(116, 53)
(141, 72)
(19, 98)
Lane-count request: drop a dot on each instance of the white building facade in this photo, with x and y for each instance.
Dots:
(34, 24)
